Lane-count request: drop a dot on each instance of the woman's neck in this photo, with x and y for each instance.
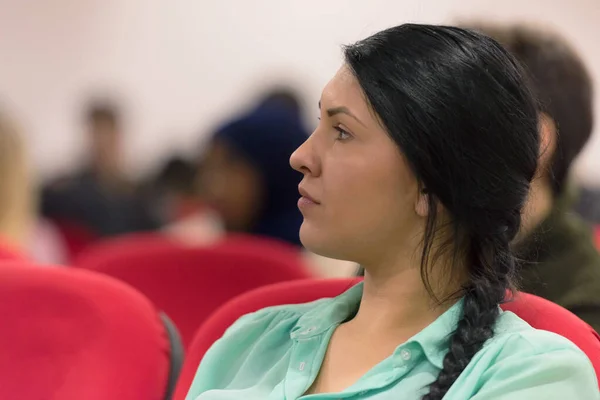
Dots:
(395, 304)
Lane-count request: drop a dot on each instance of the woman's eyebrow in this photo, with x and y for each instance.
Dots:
(341, 110)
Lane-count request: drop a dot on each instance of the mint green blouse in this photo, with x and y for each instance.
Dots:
(276, 353)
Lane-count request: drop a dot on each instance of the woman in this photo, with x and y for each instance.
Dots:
(418, 171)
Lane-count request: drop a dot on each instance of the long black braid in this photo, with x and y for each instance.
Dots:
(480, 310)
(460, 110)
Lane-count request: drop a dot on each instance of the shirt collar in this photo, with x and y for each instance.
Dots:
(331, 312)
(433, 340)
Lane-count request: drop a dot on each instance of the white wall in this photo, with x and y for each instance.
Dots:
(183, 64)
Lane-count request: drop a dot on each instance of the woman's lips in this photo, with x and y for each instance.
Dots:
(306, 200)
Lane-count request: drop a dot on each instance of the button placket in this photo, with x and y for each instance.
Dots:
(300, 365)
(303, 359)
(406, 354)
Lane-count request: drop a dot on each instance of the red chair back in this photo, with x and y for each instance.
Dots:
(122, 247)
(76, 237)
(548, 316)
(538, 312)
(11, 253)
(189, 283)
(72, 334)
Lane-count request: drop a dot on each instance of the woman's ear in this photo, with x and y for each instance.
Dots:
(547, 143)
(422, 203)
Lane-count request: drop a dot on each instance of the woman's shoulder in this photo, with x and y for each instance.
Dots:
(281, 317)
(521, 362)
(513, 332)
(516, 343)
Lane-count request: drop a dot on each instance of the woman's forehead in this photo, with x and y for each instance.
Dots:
(343, 90)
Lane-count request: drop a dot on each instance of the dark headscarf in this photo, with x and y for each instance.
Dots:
(266, 137)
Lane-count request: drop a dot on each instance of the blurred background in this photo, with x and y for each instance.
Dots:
(179, 68)
(122, 105)
(148, 141)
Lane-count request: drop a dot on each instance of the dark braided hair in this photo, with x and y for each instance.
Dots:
(459, 108)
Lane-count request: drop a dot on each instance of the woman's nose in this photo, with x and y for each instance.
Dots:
(304, 159)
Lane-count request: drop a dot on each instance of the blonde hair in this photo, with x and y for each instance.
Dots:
(17, 209)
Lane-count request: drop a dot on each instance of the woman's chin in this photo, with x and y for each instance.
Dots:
(319, 242)
(312, 239)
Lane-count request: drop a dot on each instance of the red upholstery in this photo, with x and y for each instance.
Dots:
(539, 313)
(76, 237)
(10, 253)
(71, 334)
(543, 314)
(107, 250)
(189, 283)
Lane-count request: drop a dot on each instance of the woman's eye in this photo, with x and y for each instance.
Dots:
(342, 134)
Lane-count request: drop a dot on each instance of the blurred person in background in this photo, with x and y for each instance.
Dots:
(179, 207)
(172, 189)
(245, 177)
(17, 196)
(285, 97)
(99, 196)
(561, 262)
(588, 205)
(22, 235)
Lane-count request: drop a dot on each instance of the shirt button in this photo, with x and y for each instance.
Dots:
(405, 354)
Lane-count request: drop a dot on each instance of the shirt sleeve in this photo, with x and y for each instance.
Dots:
(226, 351)
(557, 375)
(250, 334)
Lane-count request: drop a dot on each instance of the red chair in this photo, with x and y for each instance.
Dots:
(538, 312)
(9, 252)
(72, 334)
(107, 250)
(76, 236)
(189, 283)
(257, 244)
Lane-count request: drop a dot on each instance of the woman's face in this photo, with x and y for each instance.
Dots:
(364, 195)
(232, 186)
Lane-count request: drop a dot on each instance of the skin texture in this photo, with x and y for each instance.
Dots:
(358, 173)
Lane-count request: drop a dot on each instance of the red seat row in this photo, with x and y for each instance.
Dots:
(72, 333)
(78, 333)
(189, 283)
